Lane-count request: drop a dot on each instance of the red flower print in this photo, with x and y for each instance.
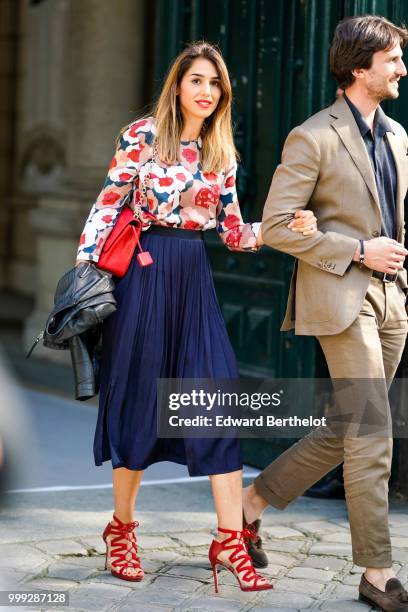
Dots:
(210, 176)
(234, 237)
(134, 129)
(107, 218)
(134, 155)
(231, 221)
(113, 163)
(207, 196)
(138, 196)
(189, 155)
(82, 239)
(181, 176)
(230, 182)
(191, 225)
(125, 176)
(165, 181)
(150, 203)
(109, 198)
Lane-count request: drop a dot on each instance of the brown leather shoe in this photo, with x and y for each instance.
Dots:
(254, 545)
(395, 598)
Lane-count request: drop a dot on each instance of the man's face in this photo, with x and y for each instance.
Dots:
(381, 80)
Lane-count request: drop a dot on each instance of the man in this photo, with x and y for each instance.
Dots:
(348, 163)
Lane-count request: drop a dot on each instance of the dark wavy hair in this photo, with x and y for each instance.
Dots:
(355, 41)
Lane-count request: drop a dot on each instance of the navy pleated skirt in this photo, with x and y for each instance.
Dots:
(168, 324)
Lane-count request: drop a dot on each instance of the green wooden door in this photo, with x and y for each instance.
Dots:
(277, 54)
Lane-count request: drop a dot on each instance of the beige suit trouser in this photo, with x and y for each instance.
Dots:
(370, 348)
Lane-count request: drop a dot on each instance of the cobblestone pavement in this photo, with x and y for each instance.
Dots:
(52, 541)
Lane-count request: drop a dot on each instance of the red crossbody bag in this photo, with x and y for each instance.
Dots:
(117, 252)
(121, 244)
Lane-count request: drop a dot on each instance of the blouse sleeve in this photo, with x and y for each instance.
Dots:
(236, 235)
(123, 170)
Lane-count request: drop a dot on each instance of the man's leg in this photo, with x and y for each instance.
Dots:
(393, 334)
(380, 332)
(370, 348)
(350, 354)
(291, 474)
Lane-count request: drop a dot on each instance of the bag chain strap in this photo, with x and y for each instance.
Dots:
(137, 206)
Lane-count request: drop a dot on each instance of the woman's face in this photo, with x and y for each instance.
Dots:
(199, 90)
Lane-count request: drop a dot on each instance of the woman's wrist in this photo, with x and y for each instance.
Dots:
(259, 240)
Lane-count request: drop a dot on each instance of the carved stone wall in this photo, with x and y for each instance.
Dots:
(83, 80)
(39, 156)
(10, 42)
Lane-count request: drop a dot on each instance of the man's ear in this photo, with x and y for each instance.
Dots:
(358, 73)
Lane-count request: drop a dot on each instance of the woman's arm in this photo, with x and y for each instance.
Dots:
(240, 236)
(123, 170)
(235, 234)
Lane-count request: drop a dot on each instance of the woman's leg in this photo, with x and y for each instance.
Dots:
(227, 493)
(126, 484)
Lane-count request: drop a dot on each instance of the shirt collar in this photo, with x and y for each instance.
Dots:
(381, 123)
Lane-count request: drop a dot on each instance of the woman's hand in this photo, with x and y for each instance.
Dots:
(304, 222)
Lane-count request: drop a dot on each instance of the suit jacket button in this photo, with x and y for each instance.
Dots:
(375, 234)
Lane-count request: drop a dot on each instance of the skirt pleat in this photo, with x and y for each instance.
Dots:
(168, 324)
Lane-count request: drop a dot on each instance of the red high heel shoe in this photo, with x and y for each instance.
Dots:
(240, 563)
(117, 550)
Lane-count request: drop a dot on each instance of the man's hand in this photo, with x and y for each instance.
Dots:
(304, 222)
(383, 255)
(79, 261)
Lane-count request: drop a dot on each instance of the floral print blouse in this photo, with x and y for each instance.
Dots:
(179, 195)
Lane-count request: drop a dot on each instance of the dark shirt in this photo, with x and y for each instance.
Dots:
(383, 164)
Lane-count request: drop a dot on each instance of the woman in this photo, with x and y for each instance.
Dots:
(168, 324)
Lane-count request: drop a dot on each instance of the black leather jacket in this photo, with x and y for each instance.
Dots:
(83, 299)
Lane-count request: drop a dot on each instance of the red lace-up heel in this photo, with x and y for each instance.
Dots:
(121, 550)
(239, 562)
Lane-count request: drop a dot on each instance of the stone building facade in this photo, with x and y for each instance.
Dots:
(71, 73)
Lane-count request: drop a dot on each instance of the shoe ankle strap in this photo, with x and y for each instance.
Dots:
(239, 553)
(247, 533)
(250, 528)
(124, 527)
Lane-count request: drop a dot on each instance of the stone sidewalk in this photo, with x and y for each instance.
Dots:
(51, 541)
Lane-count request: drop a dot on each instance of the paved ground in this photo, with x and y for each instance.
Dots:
(58, 439)
(51, 540)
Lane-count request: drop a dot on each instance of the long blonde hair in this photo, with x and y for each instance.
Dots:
(218, 149)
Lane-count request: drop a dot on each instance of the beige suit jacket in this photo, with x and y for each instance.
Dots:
(325, 167)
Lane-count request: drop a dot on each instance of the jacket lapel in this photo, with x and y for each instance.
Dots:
(347, 129)
(397, 154)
